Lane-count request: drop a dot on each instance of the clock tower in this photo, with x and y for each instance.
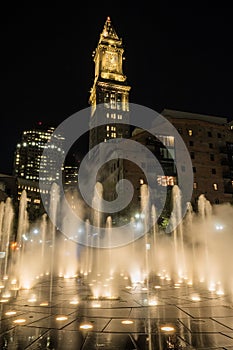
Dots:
(110, 90)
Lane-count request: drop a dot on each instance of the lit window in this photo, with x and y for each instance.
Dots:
(190, 132)
(215, 186)
(165, 180)
(107, 127)
(141, 181)
(113, 101)
(166, 140)
(194, 185)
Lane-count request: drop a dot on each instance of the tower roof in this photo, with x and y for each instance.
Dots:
(108, 31)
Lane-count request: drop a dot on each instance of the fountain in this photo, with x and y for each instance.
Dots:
(194, 258)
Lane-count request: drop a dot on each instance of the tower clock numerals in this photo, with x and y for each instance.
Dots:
(110, 60)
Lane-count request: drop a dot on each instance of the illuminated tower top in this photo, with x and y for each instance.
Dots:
(108, 55)
(110, 89)
(108, 31)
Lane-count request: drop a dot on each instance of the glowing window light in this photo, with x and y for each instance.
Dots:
(44, 304)
(4, 300)
(74, 302)
(152, 303)
(127, 322)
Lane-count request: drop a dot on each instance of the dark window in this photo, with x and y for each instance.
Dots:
(213, 171)
(190, 143)
(192, 155)
(219, 135)
(180, 130)
(209, 134)
(194, 169)
(210, 145)
(212, 157)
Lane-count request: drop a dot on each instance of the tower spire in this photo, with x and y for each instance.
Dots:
(109, 31)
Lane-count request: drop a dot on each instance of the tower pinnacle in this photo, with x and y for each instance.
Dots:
(109, 31)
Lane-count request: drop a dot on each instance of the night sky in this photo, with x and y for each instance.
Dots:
(177, 58)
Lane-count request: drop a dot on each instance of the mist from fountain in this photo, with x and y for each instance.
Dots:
(197, 252)
(6, 226)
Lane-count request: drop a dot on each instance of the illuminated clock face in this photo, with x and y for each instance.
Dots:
(111, 60)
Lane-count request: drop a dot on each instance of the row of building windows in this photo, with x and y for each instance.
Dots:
(213, 170)
(35, 201)
(215, 186)
(191, 143)
(115, 100)
(163, 180)
(190, 132)
(192, 155)
(31, 188)
(114, 116)
(112, 128)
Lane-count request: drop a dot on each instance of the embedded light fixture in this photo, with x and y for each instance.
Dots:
(61, 318)
(127, 322)
(86, 326)
(10, 313)
(19, 320)
(44, 303)
(167, 329)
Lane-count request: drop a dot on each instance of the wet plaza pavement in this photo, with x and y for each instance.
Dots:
(162, 315)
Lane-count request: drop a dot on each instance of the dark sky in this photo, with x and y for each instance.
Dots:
(176, 57)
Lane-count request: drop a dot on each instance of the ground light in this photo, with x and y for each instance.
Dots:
(127, 322)
(19, 320)
(86, 326)
(167, 328)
